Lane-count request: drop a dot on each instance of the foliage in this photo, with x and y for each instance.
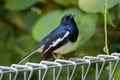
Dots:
(23, 23)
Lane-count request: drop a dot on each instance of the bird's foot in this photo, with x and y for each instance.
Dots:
(58, 56)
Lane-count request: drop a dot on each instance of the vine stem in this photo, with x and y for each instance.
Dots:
(105, 49)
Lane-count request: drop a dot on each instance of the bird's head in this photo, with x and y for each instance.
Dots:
(68, 18)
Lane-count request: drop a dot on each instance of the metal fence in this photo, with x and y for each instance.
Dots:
(57, 66)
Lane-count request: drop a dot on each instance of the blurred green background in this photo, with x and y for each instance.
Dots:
(23, 23)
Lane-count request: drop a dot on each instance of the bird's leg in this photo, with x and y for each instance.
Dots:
(58, 56)
(54, 56)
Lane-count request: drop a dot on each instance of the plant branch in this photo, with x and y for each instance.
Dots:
(8, 22)
(105, 49)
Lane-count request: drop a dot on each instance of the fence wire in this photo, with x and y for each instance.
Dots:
(57, 66)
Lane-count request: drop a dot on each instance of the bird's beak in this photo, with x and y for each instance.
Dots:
(72, 16)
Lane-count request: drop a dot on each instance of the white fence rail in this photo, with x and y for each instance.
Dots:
(57, 66)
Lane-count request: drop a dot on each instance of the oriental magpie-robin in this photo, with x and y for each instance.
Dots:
(59, 40)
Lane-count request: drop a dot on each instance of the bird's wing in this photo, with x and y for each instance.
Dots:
(55, 41)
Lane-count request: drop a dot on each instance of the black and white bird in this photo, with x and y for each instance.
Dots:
(59, 40)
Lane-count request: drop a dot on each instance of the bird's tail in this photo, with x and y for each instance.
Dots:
(26, 56)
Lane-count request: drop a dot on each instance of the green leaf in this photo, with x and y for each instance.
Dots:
(16, 5)
(29, 18)
(94, 6)
(109, 20)
(86, 28)
(66, 2)
(45, 24)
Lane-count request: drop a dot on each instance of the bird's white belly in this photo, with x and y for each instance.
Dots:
(65, 48)
(62, 50)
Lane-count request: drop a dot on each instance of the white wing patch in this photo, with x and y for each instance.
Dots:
(57, 41)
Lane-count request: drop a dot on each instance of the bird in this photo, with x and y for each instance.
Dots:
(58, 41)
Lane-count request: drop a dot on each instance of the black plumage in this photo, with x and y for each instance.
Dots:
(64, 35)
